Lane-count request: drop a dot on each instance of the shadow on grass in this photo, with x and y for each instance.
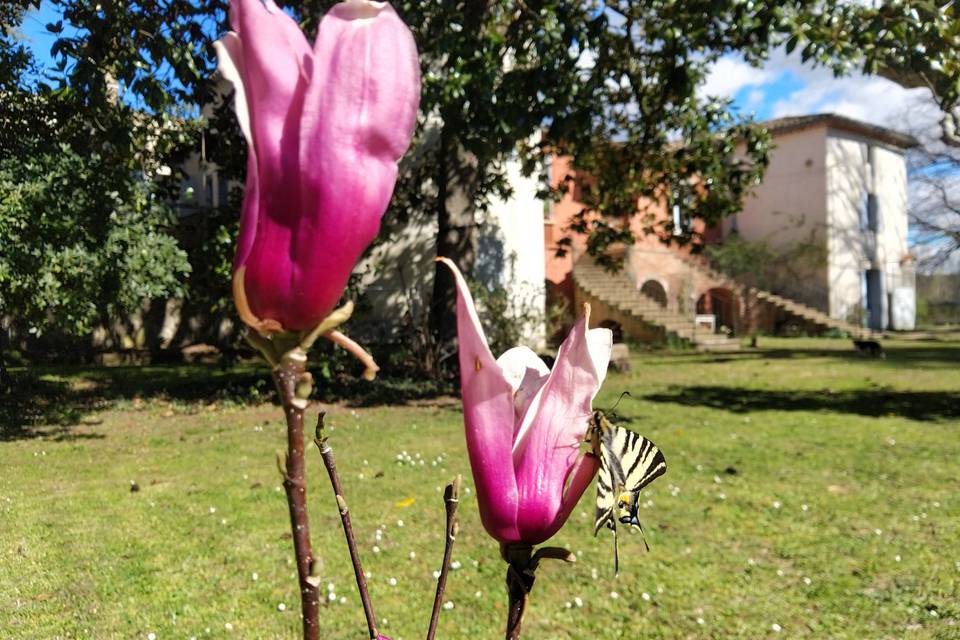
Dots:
(51, 401)
(933, 355)
(916, 405)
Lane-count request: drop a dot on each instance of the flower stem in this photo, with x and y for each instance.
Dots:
(327, 454)
(287, 374)
(520, 577)
(451, 498)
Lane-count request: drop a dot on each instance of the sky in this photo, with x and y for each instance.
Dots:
(784, 86)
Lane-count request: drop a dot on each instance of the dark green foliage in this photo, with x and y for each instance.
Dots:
(81, 241)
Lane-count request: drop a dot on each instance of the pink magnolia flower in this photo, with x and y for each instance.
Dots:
(325, 127)
(525, 424)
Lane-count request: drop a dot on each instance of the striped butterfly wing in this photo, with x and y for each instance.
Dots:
(628, 463)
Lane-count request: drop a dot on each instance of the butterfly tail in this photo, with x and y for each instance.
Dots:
(616, 554)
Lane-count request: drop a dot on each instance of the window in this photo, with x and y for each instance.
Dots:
(869, 213)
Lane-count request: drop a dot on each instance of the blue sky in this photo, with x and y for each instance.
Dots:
(35, 29)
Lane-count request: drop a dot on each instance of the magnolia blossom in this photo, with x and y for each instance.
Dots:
(525, 424)
(325, 126)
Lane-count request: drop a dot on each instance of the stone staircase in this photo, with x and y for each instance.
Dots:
(796, 309)
(619, 291)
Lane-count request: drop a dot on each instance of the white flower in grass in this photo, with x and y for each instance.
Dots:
(777, 504)
(614, 595)
(393, 582)
(455, 565)
(645, 596)
(254, 576)
(228, 627)
(701, 621)
(376, 549)
(776, 628)
(413, 555)
(448, 605)
(436, 574)
(331, 587)
(281, 606)
(578, 601)
(478, 594)
(332, 597)
(343, 600)
(151, 636)
(807, 581)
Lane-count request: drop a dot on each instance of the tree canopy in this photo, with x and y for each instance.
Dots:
(613, 85)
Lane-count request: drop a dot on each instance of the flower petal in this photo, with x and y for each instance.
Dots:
(553, 429)
(230, 64)
(580, 480)
(229, 50)
(488, 416)
(277, 64)
(526, 373)
(357, 120)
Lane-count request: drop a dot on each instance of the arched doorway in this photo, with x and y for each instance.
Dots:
(655, 291)
(721, 303)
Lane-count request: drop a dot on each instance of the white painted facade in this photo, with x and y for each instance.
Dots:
(859, 168)
(842, 185)
(398, 274)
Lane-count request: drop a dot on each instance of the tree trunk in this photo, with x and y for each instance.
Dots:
(6, 380)
(456, 235)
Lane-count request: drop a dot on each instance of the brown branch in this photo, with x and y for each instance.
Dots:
(451, 498)
(327, 454)
(287, 375)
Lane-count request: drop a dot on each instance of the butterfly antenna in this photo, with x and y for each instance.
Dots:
(617, 403)
(643, 536)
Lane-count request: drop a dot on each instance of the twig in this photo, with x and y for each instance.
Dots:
(451, 498)
(327, 454)
(287, 375)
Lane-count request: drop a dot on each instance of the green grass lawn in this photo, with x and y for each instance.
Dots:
(809, 490)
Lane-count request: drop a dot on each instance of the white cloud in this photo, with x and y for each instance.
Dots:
(755, 98)
(868, 98)
(730, 74)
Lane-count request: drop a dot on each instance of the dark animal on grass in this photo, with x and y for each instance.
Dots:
(869, 348)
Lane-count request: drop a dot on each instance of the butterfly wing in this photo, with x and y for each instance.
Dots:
(642, 463)
(610, 478)
(628, 463)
